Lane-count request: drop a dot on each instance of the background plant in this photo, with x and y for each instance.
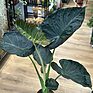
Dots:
(90, 23)
(39, 42)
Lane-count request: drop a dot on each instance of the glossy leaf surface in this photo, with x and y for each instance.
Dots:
(14, 43)
(74, 71)
(61, 24)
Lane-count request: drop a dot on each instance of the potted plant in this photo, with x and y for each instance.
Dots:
(90, 24)
(39, 42)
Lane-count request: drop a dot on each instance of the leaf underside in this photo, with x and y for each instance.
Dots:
(32, 32)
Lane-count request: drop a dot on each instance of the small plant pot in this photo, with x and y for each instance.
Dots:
(40, 91)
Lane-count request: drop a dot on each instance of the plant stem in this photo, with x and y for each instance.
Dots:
(48, 71)
(36, 71)
(57, 77)
(43, 67)
(34, 66)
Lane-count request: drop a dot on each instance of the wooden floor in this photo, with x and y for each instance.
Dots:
(18, 75)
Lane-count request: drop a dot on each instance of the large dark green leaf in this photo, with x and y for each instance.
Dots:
(45, 54)
(61, 24)
(14, 43)
(74, 71)
(51, 84)
(32, 32)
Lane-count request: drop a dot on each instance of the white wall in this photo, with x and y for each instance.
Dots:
(3, 17)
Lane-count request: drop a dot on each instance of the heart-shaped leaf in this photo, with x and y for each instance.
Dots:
(14, 43)
(44, 53)
(74, 71)
(61, 24)
(51, 84)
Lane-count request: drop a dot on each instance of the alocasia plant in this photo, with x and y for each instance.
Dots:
(40, 41)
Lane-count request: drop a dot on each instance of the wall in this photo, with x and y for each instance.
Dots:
(3, 17)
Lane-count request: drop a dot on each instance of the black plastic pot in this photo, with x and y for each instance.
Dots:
(40, 91)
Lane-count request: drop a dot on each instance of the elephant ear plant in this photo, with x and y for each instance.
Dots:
(39, 42)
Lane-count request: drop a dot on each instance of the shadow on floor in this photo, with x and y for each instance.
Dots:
(4, 60)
